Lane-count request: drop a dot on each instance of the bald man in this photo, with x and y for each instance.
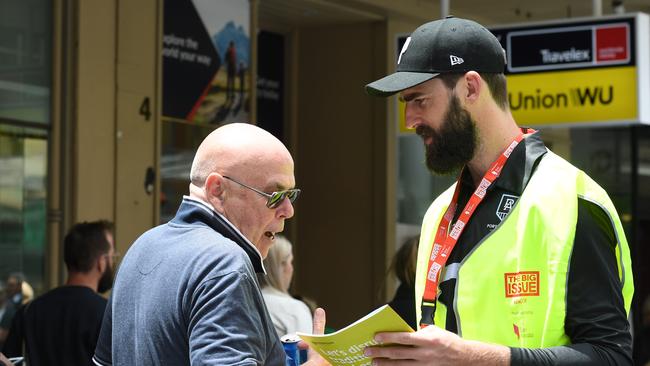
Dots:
(186, 292)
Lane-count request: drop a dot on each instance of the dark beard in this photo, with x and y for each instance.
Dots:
(106, 281)
(454, 145)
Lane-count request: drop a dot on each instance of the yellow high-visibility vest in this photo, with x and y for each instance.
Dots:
(511, 289)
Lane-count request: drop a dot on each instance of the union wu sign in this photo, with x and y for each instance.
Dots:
(587, 72)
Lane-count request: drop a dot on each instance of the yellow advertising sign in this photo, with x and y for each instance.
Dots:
(401, 109)
(574, 97)
(602, 95)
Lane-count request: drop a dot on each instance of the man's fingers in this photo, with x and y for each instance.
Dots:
(4, 360)
(388, 362)
(319, 321)
(393, 352)
(429, 336)
(405, 338)
(318, 326)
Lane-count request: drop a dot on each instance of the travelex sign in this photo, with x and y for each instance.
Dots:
(568, 47)
(579, 73)
(586, 72)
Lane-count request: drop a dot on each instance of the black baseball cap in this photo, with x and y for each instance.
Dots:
(451, 45)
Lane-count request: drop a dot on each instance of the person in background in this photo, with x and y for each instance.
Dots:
(4, 304)
(231, 70)
(524, 260)
(14, 287)
(403, 267)
(289, 315)
(61, 327)
(241, 74)
(27, 292)
(14, 299)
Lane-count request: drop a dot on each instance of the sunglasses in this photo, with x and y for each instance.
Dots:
(274, 199)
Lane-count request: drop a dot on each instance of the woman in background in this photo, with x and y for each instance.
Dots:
(403, 267)
(289, 315)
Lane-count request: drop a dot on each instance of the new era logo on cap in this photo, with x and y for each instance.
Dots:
(455, 60)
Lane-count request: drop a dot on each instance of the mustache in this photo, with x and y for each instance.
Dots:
(424, 131)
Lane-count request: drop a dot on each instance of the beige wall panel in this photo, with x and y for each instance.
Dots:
(340, 165)
(137, 45)
(93, 191)
(415, 10)
(137, 80)
(53, 256)
(395, 27)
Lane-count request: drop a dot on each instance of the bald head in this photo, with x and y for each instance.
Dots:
(235, 170)
(237, 149)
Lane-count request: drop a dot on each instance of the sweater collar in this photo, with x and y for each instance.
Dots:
(193, 210)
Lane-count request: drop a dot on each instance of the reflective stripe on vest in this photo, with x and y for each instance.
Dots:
(511, 289)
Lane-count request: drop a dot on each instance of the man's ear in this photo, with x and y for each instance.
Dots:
(473, 86)
(101, 263)
(214, 190)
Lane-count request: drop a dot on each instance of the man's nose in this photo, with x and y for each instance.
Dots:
(410, 117)
(285, 210)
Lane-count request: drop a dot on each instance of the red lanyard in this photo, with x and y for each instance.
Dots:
(445, 241)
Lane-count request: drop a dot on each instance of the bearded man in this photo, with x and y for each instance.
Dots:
(61, 327)
(524, 260)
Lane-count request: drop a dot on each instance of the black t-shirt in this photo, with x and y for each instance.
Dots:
(59, 328)
(595, 319)
(404, 304)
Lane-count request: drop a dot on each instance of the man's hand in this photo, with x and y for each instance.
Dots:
(313, 358)
(4, 361)
(435, 346)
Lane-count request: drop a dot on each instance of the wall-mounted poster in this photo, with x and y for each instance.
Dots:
(206, 61)
(270, 83)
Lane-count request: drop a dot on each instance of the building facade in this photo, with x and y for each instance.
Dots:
(87, 130)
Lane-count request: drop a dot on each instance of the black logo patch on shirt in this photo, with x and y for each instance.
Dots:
(505, 205)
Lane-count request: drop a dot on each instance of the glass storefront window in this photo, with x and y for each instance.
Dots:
(179, 143)
(25, 87)
(605, 155)
(23, 199)
(641, 249)
(25, 60)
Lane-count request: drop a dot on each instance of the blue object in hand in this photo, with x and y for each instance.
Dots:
(290, 344)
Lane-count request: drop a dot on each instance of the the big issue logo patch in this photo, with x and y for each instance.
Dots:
(524, 283)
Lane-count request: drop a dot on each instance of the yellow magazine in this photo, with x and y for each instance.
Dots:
(345, 346)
